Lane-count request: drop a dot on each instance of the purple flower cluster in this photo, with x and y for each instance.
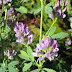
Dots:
(10, 56)
(22, 31)
(10, 12)
(60, 8)
(5, 1)
(67, 42)
(46, 49)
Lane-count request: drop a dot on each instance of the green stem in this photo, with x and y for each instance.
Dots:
(2, 6)
(51, 27)
(40, 63)
(5, 15)
(41, 21)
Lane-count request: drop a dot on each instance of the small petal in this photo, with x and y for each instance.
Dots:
(63, 15)
(50, 15)
(20, 40)
(64, 9)
(30, 39)
(35, 54)
(55, 50)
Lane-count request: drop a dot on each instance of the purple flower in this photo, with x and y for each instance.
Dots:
(10, 11)
(67, 42)
(20, 39)
(5, 1)
(10, 55)
(46, 49)
(50, 15)
(63, 2)
(0, 2)
(30, 38)
(23, 33)
(56, 5)
(60, 8)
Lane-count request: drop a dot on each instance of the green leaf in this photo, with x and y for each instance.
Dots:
(21, 56)
(13, 63)
(48, 10)
(50, 4)
(22, 1)
(37, 10)
(48, 70)
(7, 29)
(36, 70)
(43, 71)
(68, 7)
(21, 9)
(24, 55)
(71, 70)
(51, 32)
(11, 69)
(2, 69)
(70, 30)
(60, 35)
(27, 66)
(29, 51)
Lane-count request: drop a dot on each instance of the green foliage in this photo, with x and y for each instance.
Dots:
(70, 30)
(48, 8)
(27, 66)
(29, 52)
(21, 9)
(48, 70)
(60, 35)
(51, 3)
(24, 55)
(37, 10)
(52, 31)
(68, 7)
(22, 1)
(36, 70)
(27, 56)
(4, 32)
(13, 63)
(2, 69)
(11, 67)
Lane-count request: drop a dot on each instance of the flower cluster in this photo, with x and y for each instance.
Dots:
(22, 31)
(60, 8)
(67, 42)
(10, 56)
(5, 1)
(10, 12)
(46, 49)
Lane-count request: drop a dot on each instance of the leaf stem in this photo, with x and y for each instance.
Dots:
(41, 21)
(6, 15)
(51, 27)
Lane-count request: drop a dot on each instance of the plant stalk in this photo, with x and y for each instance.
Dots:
(51, 27)
(41, 21)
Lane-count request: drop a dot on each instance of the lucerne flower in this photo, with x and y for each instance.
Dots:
(46, 49)
(10, 55)
(23, 33)
(60, 7)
